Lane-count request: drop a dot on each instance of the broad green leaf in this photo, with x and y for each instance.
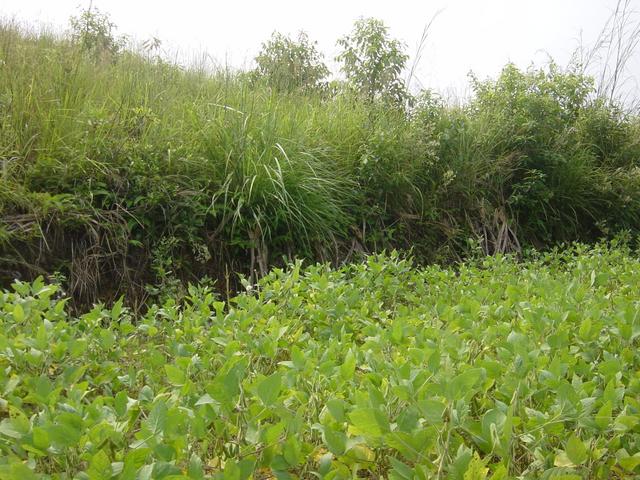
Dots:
(100, 467)
(167, 470)
(462, 384)
(146, 394)
(369, 421)
(66, 431)
(500, 473)
(121, 402)
(137, 457)
(298, 357)
(400, 471)
(271, 434)
(205, 400)
(458, 467)
(348, 368)
(336, 441)
(269, 389)
(157, 418)
(237, 470)
(576, 450)
(292, 452)
(411, 446)
(40, 438)
(610, 367)
(624, 423)
(195, 470)
(175, 375)
(116, 310)
(336, 407)
(17, 471)
(630, 463)
(107, 339)
(11, 384)
(585, 329)
(8, 428)
(434, 362)
(164, 452)
(562, 460)
(432, 410)
(145, 472)
(603, 417)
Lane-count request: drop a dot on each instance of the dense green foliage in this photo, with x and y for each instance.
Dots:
(121, 173)
(288, 65)
(120, 170)
(373, 62)
(377, 370)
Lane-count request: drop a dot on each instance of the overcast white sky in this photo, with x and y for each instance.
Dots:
(477, 35)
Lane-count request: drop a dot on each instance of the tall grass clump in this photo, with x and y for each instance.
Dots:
(193, 167)
(121, 170)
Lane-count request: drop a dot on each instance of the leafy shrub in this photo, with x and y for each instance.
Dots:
(288, 65)
(373, 61)
(95, 33)
(519, 150)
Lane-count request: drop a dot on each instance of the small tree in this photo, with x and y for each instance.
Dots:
(373, 62)
(289, 65)
(95, 33)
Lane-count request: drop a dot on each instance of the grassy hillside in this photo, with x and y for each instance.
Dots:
(121, 171)
(499, 369)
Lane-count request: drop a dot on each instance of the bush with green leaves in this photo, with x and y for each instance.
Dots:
(494, 370)
(287, 65)
(373, 62)
(95, 33)
(532, 154)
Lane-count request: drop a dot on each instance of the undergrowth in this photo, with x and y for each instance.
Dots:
(120, 170)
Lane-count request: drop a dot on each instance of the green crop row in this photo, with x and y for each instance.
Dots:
(497, 369)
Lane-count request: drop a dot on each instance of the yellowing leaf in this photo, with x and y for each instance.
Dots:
(18, 313)
(476, 469)
(562, 460)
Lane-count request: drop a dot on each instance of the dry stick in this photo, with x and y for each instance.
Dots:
(446, 443)
(421, 44)
(619, 43)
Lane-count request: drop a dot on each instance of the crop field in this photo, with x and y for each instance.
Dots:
(290, 271)
(495, 369)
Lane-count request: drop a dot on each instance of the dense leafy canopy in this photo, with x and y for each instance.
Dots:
(380, 370)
